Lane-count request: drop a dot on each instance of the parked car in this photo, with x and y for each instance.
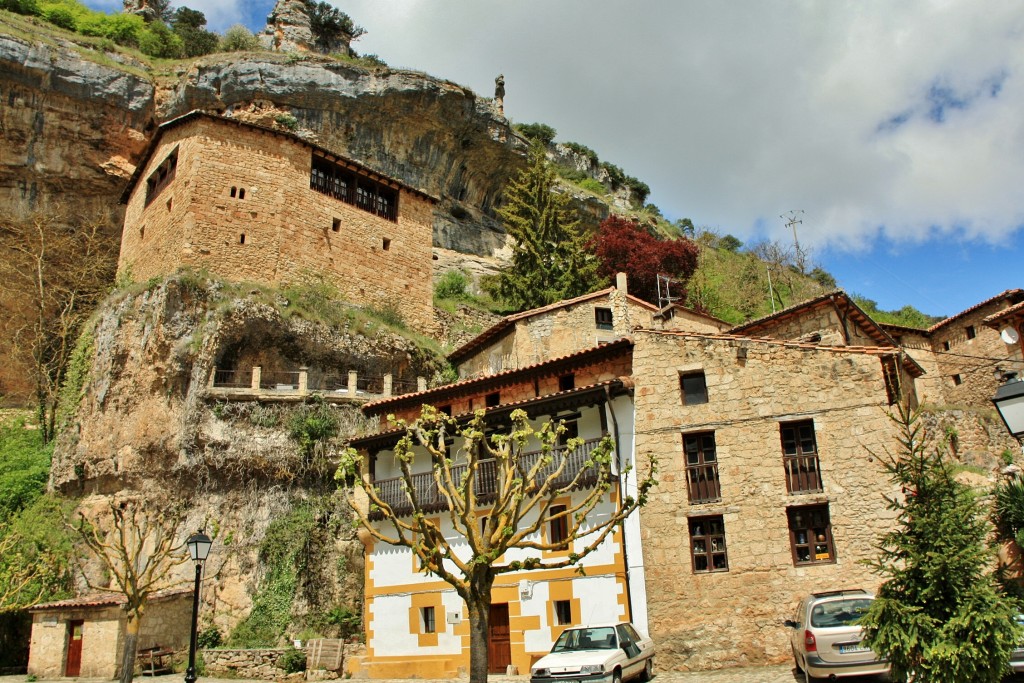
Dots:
(825, 641)
(1017, 656)
(610, 653)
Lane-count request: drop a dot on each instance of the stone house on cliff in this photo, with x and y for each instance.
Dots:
(249, 203)
(768, 488)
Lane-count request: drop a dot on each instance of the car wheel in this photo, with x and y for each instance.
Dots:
(617, 676)
(648, 672)
(796, 662)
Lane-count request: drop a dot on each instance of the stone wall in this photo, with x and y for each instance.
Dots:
(822, 320)
(258, 664)
(280, 231)
(557, 332)
(707, 619)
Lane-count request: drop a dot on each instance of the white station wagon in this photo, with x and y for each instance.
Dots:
(607, 653)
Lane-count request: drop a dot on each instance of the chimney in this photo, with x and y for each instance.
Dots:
(620, 283)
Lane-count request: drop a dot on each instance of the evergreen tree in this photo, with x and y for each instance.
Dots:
(939, 616)
(550, 260)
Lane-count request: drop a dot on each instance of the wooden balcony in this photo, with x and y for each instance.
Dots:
(392, 492)
(803, 474)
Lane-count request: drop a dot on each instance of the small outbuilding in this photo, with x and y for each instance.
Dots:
(84, 637)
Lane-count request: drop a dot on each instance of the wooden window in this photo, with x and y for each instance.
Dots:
(492, 399)
(707, 544)
(701, 467)
(694, 388)
(971, 333)
(810, 534)
(427, 620)
(563, 612)
(603, 318)
(344, 184)
(800, 457)
(891, 374)
(162, 176)
(558, 529)
(567, 382)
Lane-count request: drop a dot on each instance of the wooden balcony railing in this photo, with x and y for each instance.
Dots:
(702, 483)
(803, 475)
(296, 384)
(392, 492)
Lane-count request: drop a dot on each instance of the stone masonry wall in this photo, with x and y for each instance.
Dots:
(705, 619)
(823, 320)
(101, 642)
(965, 369)
(282, 231)
(258, 664)
(555, 333)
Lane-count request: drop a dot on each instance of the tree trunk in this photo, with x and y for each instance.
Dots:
(131, 644)
(479, 605)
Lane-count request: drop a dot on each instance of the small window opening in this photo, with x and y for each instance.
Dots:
(567, 382)
(336, 225)
(142, 233)
(603, 318)
(493, 399)
(241, 193)
(170, 203)
(971, 334)
(694, 387)
(234, 192)
(945, 346)
(447, 410)
(385, 244)
(558, 529)
(241, 238)
(563, 612)
(429, 625)
(957, 380)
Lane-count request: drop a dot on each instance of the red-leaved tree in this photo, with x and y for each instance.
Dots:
(622, 246)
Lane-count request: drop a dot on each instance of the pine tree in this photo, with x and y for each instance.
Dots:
(939, 616)
(550, 260)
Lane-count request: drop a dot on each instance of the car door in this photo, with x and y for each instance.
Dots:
(630, 645)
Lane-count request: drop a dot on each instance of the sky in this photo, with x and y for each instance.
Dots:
(896, 130)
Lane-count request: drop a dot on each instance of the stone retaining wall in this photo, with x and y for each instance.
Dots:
(259, 664)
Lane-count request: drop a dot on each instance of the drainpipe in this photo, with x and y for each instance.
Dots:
(622, 491)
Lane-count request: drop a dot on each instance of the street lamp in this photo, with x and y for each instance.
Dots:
(1009, 402)
(199, 548)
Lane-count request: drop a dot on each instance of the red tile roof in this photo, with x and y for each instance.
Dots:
(1014, 294)
(501, 378)
(105, 600)
(909, 364)
(837, 298)
(1016, 309)
(508, 321)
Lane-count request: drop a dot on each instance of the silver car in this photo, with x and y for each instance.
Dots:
(610, 653)
(825, 641)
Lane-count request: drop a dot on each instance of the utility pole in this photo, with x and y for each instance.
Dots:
(791, 222)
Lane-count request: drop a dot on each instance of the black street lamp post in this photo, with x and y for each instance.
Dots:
(199, 548)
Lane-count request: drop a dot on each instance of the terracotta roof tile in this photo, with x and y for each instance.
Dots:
(105, 600)
(1008, 294)
(837, 297)
(1005, 313)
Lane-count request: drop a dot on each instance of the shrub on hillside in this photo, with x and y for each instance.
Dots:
(538, 132)
(60, 16)
(159, 41)
(239, 39)
(20, 6)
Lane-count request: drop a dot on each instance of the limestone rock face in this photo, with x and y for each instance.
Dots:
(288, 28)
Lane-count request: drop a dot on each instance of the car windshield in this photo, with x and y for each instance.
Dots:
(602, 638)
(839, 612)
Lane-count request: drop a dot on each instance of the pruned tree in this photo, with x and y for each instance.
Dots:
(939, 615)
(139, 553)
(525, 487)
(55, 269)
(550, 258)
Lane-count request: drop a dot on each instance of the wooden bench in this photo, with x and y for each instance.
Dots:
(155, 660)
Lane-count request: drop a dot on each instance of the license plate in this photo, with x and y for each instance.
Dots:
(853, 648)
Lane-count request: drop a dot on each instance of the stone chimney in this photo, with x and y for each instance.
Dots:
(620, 283)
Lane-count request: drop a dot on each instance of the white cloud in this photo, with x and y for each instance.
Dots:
(736, 112)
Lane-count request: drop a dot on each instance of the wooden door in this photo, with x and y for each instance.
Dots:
(499, 649)
(73, 664)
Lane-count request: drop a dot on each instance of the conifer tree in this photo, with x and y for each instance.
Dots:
(550, 260)
(939, 615)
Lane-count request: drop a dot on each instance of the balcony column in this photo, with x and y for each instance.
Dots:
(421, 384)
(387, 384)
(257, 374)
(352, 382)
(303, 380)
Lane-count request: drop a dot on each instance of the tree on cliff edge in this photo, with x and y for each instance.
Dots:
(525, 486)
(938, 616)
(55, 268)
(550, 260)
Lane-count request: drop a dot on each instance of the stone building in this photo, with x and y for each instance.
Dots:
(558, 329)
(253, 204)
(84, 637)
(416, 625)
(768, 488)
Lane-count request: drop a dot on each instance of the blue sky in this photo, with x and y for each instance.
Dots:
(895, 127)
